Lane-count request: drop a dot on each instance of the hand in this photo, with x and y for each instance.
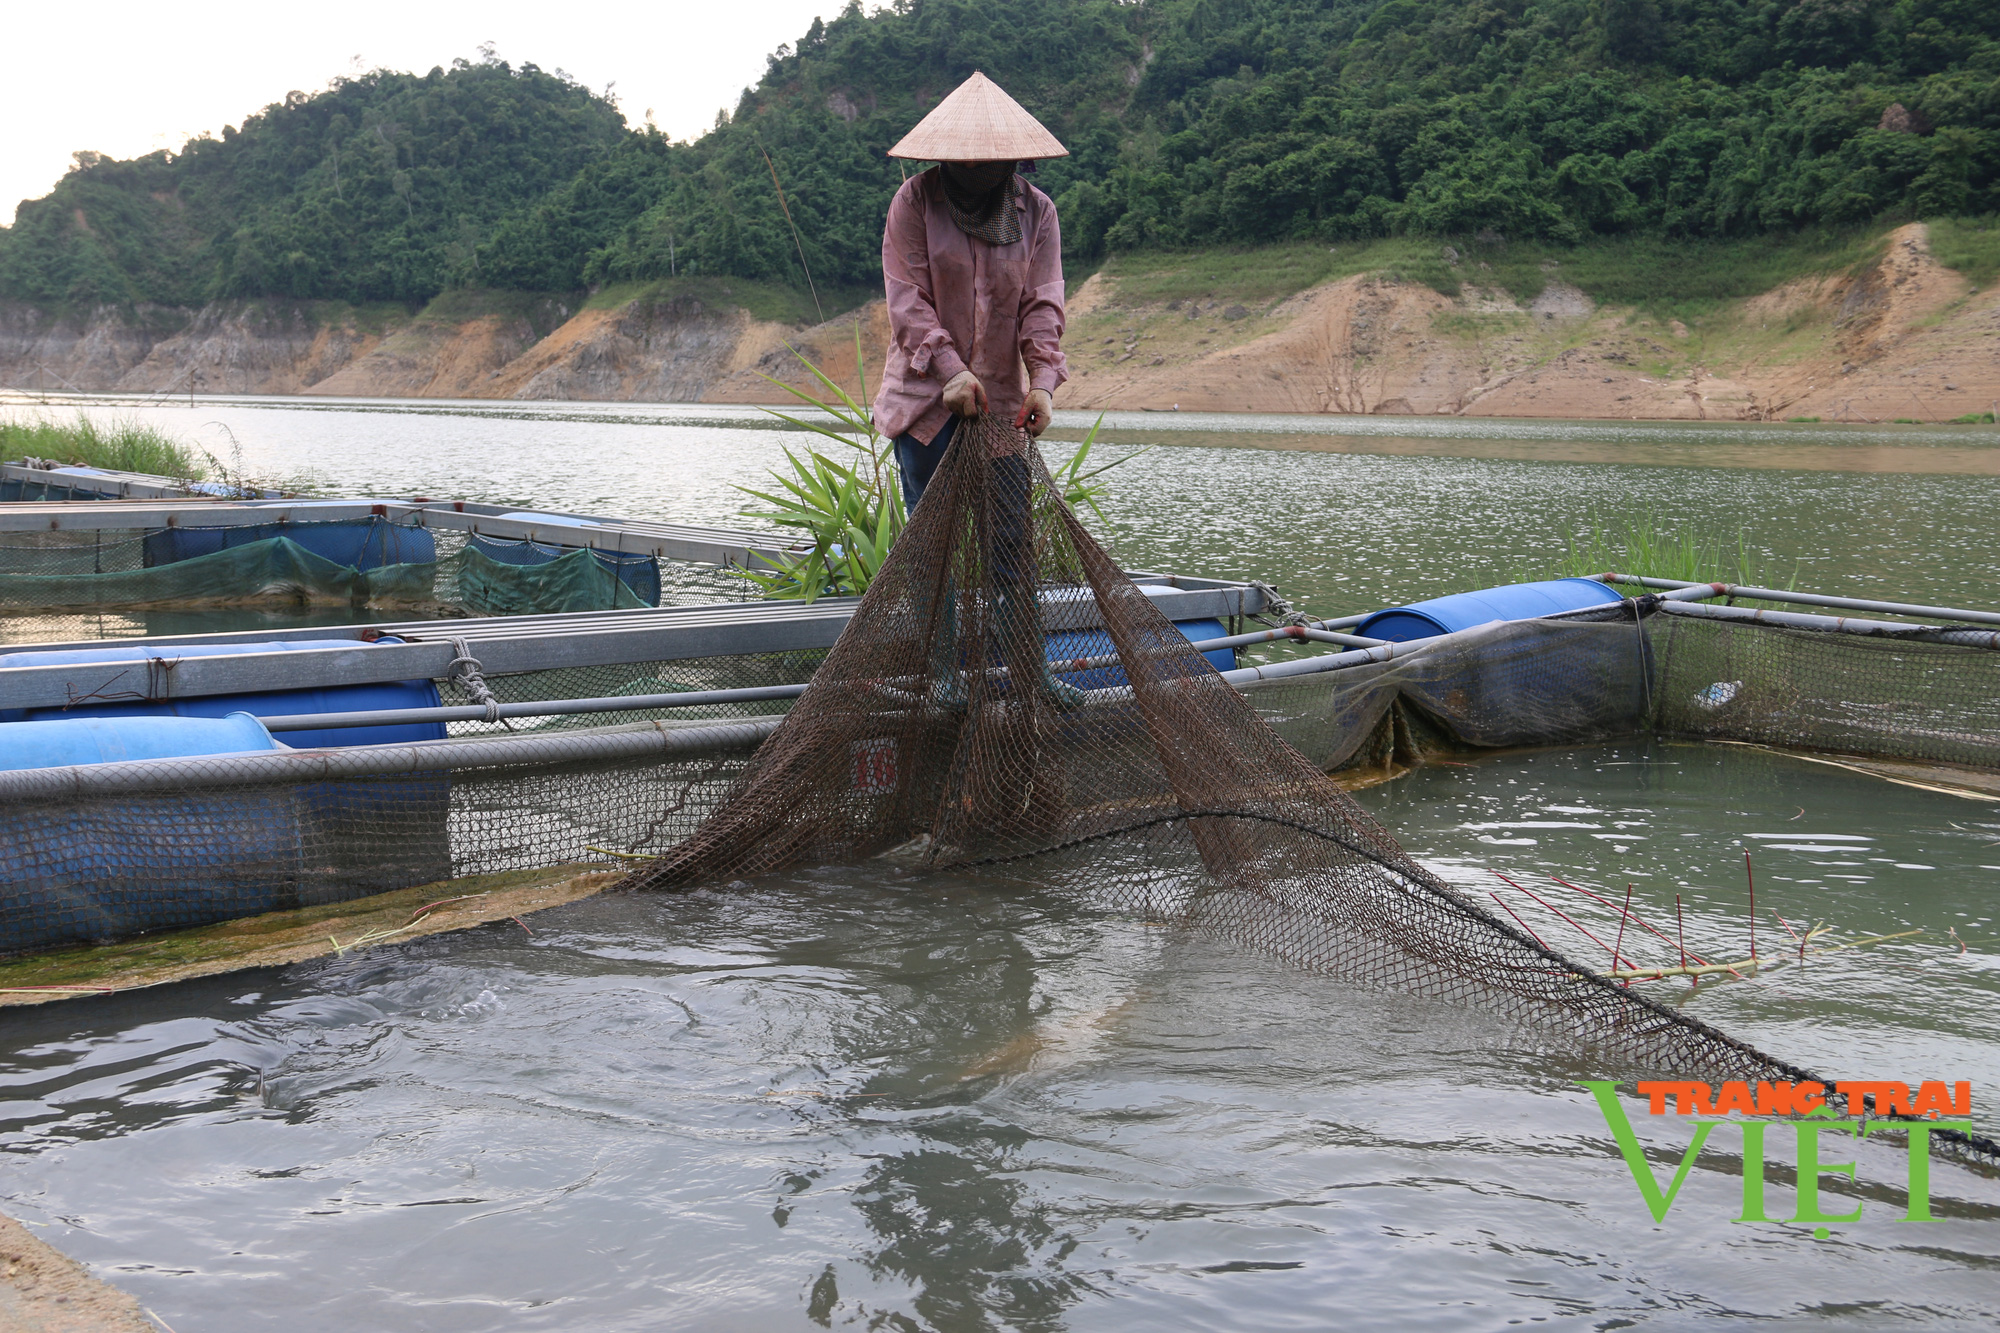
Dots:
(965, 395)
(1035, 412)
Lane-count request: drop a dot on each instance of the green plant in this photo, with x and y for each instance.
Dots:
(852, 512)
(1648, 549)
(123, 444)
(1970, 245)
(1078, 489)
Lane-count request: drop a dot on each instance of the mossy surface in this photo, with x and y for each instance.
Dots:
(768, 301)
(281, 937)
(1661, 275)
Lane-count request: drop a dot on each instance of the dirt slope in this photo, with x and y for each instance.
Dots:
(663, 352)
(1904, 338)
(1900, 338)
(430, 360)
(768, 350)
(45, 1291)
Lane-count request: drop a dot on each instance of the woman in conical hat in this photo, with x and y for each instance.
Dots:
(972, 266)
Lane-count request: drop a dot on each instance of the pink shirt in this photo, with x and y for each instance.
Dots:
(956, 303)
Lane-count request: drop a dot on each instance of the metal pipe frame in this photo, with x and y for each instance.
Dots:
(112, 485)
(1622, 610)
(267, 767)
(619, 703)
(1877, 629)
(1307, 666)
(504, 645)
(689, 543)
(1812, 599)
(394, 717)
(623, 742)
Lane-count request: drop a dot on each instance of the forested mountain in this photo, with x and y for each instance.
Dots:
(378, 189)
(1192, 123)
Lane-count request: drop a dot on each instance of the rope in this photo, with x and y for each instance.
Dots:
(1276, 606)
(465, 669)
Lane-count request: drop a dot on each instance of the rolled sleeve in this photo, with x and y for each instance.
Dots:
(945, 362)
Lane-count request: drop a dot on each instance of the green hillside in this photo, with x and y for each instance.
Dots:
(1193, 124)
(378, 189)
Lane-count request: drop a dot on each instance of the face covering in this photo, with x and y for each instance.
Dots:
(981, 198)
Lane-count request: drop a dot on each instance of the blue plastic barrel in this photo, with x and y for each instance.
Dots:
(358, 543)
(1463, 610)
(268, 703)
(102, 868)
(110, 740)
(1068, 645)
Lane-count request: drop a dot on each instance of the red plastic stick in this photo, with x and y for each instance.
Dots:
(1524, 925)
(1751, 876)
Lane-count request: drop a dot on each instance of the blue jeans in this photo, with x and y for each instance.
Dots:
(1013, 560)
(916, 461)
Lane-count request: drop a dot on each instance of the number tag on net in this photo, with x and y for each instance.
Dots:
(874, 766)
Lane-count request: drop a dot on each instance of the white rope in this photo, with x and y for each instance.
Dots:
(1277, 610)
(465, 669)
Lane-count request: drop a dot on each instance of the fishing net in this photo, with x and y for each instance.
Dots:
(113, 850)
(75, 584)
(1798, 689)
(937, 733)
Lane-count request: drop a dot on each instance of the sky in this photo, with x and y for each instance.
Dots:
(124, 79)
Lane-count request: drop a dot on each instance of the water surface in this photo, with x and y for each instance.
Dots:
(1342, 513)
(860, 1098)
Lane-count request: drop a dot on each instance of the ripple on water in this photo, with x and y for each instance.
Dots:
(858, 1099)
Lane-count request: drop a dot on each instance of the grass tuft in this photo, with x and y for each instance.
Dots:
(123, 445)
(768, 301)
(1970, 245)
(1663, 276)
(1647, 548)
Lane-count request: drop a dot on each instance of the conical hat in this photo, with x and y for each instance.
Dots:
(978, 123)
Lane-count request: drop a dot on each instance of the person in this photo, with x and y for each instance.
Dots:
(972, 269)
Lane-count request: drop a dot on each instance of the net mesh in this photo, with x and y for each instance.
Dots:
(682, 676)
(1833, 693)
(935, 732)
(219, 841)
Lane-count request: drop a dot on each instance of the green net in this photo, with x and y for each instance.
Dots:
(576, 581)
(67, 585)
(276, 569)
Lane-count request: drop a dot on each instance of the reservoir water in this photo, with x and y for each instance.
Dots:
(868, 1099)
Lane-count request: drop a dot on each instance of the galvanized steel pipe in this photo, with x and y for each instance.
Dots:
(397, 717)
(265, 767)
(1876, 629)
(1812, 599)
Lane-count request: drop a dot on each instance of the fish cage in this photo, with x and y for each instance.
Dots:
(41, 479)
(533, 689)
(123, 566)
(413, 752)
